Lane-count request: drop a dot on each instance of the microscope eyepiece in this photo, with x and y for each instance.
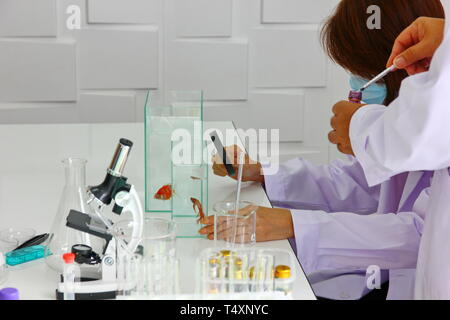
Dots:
(120, 157)
(126, 142)
(114, 179)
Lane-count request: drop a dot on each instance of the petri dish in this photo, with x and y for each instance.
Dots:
(11, 238)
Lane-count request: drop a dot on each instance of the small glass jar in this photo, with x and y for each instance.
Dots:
(11, 238)
(283, 281)
(153, 270)
(3, 269)
(235, 226)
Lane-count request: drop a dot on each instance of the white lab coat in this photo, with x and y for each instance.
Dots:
(412, 135)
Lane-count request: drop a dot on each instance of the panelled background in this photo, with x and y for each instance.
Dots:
(259, 63)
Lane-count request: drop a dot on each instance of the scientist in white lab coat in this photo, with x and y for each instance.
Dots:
(341, 225)
(411, 135)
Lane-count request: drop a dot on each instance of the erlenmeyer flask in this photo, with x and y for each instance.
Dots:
(74, 197)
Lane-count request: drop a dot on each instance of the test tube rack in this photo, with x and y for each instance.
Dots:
(245, 271)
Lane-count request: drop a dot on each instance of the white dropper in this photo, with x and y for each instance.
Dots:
(379, 77)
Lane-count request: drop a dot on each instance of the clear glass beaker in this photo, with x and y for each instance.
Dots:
(3, 269)
(74, 197)
(153, 269)
(11, 238)
(235, 227)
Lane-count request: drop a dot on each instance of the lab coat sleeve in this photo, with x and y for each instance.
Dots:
(412, 134)
(349, 241)
(339, 186)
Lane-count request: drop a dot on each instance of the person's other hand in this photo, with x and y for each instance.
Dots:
(271, 224)
(252, 170)
(340, 136)
(415, 46)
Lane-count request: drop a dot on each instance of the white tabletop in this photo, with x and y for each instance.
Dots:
(31, 180)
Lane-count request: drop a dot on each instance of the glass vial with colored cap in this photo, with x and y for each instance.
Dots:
(69, 276)
(355, 96)
(283, 281)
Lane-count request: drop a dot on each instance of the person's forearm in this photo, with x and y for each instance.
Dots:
(274, 224)
(350, 241)
(339, 186)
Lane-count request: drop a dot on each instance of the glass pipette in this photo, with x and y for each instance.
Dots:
(356, 96)
(378, 77)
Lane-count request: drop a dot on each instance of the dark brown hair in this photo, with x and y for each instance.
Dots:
(364, 52)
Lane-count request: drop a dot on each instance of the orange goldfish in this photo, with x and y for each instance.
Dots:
(198, 208)
(164, 193)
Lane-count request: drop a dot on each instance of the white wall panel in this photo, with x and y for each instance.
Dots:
(37, 70)
(124, 11)
(203, 18)
(287, 58)
(41, 113)
(281, 111)
(28, 18)
(118, 59)
(296, 11)
(219, 68)
(97, 107)
(258, 61)
(238, 112)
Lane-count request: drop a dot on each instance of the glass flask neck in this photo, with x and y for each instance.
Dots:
(75, 171)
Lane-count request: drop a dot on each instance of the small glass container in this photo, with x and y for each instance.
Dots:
(235, 227)
(283, 282)
(3, 269)
(153, 270)
(11, 238)
(246, 271)
(62, 238)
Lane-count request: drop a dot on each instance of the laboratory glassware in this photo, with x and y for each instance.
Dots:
(11, 238)
(356, 96)
(3, 269)
(62, 238)
(175, 168)
(235, 227)
(246, 271)
(283, 279)
(153, 269)
(69, 276)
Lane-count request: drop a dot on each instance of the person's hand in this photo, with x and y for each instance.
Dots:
(415, 46)
(252, 170)
(271, 224)
(340, 136)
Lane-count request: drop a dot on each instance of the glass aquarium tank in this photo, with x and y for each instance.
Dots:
(176, 175)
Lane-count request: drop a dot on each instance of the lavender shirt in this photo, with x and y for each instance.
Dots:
(342, 226)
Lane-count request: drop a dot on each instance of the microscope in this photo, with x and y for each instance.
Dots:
(115, 190)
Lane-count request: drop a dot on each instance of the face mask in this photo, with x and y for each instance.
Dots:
(375, 94)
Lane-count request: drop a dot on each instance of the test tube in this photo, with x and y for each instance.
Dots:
(213, 276)
(69, 276)
(283, 281)
(240, 276)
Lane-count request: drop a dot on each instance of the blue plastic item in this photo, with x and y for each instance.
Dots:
(24, 255)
